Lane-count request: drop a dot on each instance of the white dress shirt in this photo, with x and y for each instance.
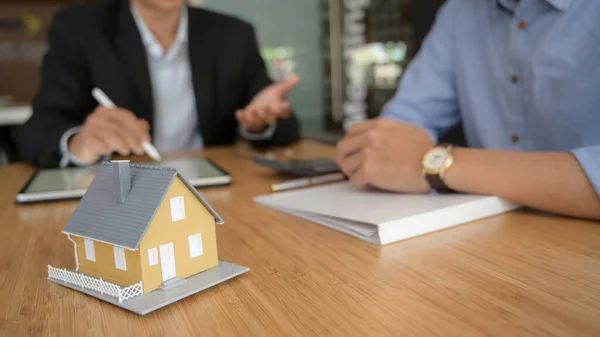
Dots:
(175, 126)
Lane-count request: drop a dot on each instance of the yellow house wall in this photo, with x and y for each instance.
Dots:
(163, 231)
(105, 267)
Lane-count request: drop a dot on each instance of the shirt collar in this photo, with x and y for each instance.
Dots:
(510, 5)
(153, 47)
(498, 6)
(562, 5)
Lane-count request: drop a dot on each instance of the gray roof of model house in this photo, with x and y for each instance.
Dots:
(120, 203)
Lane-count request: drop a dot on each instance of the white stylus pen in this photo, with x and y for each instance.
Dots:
(106, 102)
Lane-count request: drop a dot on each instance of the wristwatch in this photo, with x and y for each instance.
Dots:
(435, 162)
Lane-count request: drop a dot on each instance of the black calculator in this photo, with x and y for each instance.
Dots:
(302, 167)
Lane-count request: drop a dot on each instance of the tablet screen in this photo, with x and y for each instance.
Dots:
(48, 180)
(52, 184)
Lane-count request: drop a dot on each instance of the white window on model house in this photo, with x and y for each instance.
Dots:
(152, 256)
(90, 251)
(177, 209)
(195, 242)
(120, 261)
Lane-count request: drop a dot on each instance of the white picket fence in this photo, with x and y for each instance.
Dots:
(96, 284)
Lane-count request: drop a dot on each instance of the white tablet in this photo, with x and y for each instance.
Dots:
(71, 183)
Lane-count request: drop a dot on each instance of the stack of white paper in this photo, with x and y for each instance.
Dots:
(383, 217)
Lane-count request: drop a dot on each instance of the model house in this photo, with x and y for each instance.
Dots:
(142, 223)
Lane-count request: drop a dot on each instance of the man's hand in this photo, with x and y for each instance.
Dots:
(385, 154)
(109, 130)
(266, 107)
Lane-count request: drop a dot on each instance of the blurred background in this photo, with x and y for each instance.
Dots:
(350, 54)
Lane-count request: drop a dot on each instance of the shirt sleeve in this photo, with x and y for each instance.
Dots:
(67, 157)
(427, 95)
(589, 159)
(265, 135)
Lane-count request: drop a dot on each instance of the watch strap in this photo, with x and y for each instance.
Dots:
(436, 182)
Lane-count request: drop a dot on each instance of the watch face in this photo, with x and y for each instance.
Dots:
(436, 159)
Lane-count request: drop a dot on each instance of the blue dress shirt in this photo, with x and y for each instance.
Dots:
(520, 75)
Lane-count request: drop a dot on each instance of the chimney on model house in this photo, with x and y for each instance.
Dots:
(121, 179)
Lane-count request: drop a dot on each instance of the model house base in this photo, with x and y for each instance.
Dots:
(146, 303)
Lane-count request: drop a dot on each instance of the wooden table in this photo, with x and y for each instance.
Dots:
(518, 274)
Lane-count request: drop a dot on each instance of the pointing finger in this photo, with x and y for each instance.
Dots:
(288, 84)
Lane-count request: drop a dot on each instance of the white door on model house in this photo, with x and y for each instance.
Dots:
(167, 261)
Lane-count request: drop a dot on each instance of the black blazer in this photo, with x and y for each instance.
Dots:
(98, 45)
